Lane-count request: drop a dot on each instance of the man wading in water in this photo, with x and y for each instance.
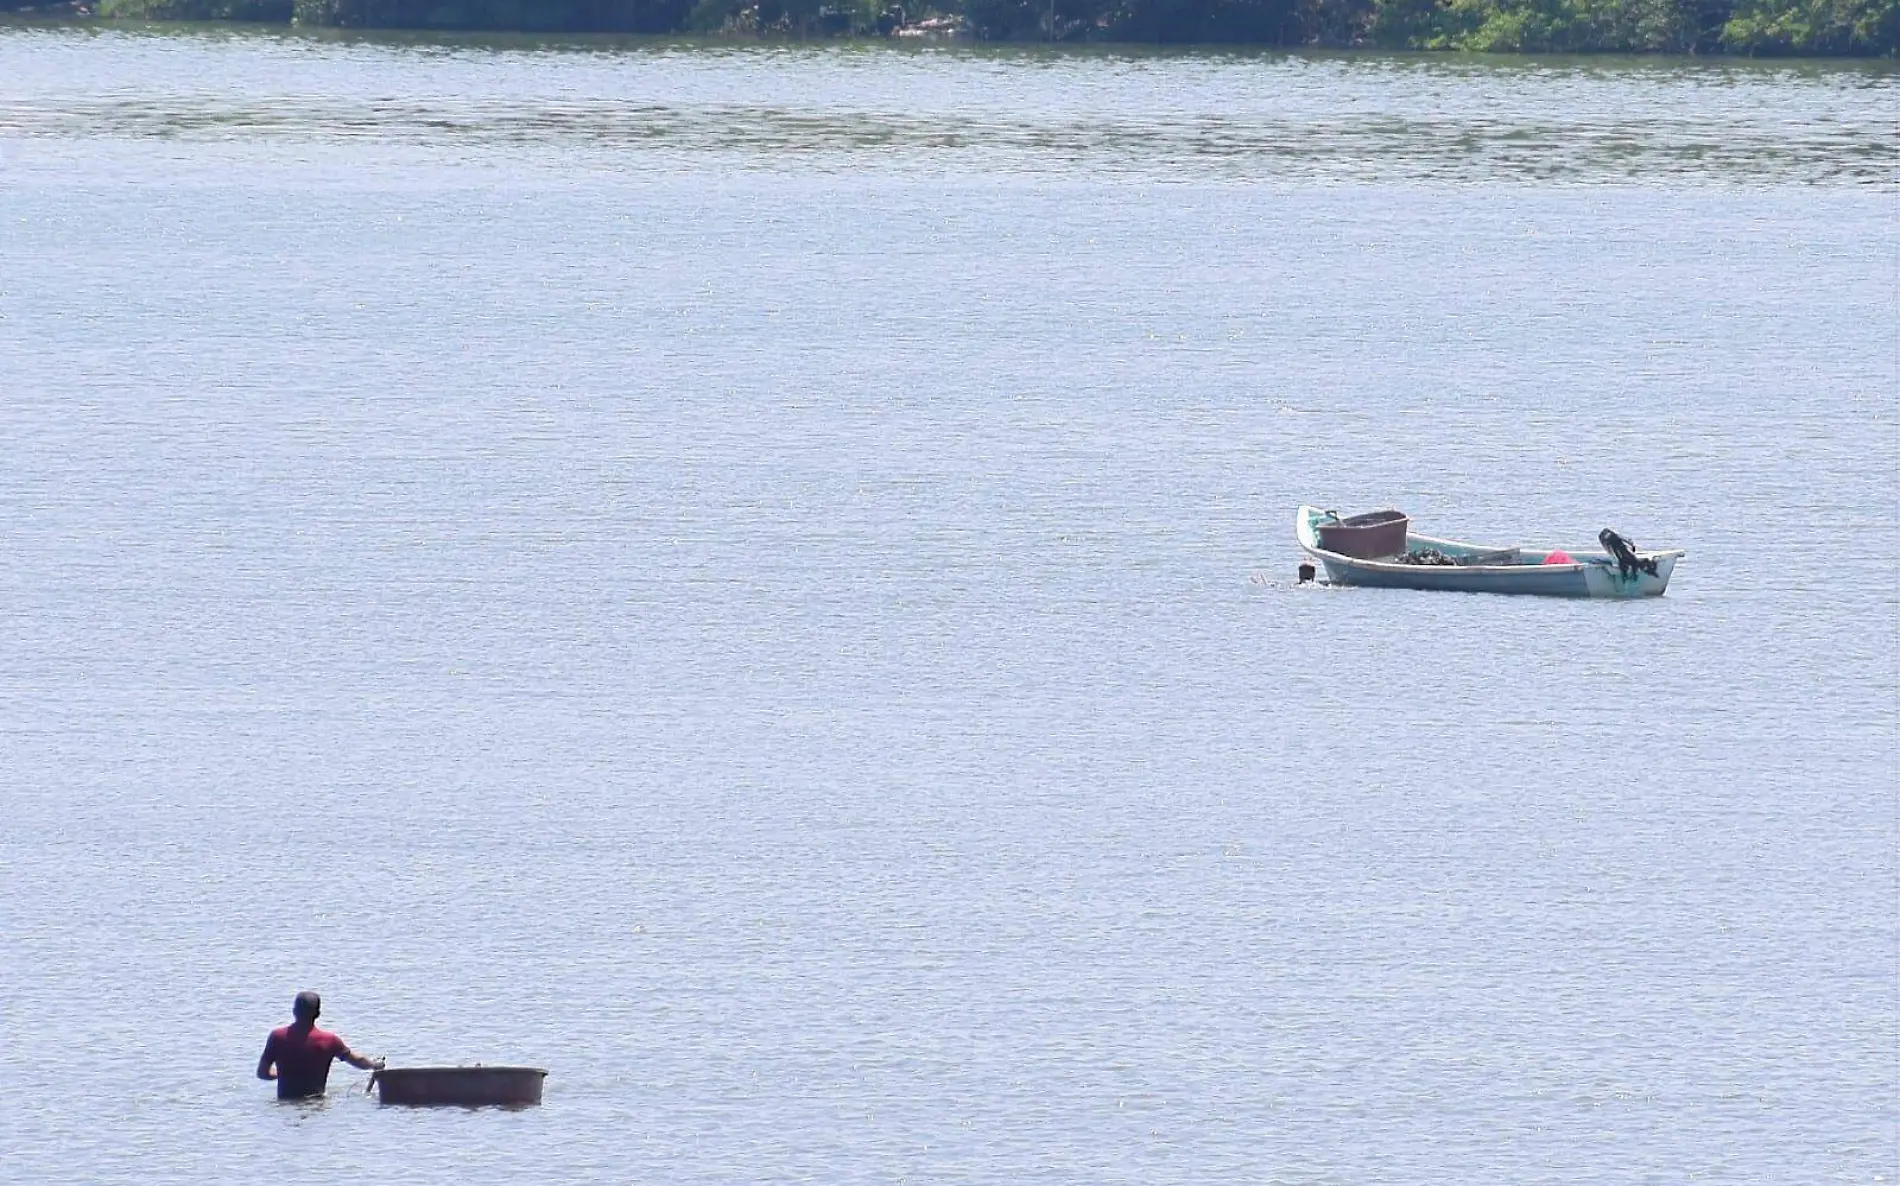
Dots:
(298, 1055)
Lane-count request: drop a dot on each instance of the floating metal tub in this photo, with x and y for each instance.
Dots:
(468, 1087)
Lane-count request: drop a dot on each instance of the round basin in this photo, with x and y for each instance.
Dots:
(468, 1087)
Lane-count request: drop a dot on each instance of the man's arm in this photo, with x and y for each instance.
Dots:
(266, 1068)
(358, 1061)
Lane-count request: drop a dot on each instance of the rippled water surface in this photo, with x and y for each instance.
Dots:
(759, 579)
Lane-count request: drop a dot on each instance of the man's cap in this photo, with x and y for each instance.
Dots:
(307, 1002)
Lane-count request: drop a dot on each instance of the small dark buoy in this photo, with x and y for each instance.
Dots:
(1306, 571)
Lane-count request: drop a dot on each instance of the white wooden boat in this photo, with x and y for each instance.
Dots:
(1429, 562)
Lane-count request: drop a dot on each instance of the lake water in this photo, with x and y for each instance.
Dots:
(761, 580)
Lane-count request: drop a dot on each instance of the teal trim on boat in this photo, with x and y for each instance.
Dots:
(1485, 568)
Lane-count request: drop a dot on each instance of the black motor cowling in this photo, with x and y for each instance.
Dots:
(1628, 563)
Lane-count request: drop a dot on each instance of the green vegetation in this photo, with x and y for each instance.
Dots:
(1761, 28)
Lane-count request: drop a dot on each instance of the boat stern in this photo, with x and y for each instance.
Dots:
(1608, 579)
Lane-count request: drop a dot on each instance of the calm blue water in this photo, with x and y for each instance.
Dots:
(761, 581)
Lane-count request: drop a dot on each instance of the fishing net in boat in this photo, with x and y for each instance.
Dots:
(1433, 556)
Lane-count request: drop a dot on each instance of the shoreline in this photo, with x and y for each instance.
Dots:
(892, 26)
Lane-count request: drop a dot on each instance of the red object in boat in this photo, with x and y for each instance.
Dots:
(1559, 557)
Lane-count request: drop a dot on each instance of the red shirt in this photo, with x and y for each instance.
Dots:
(302, 1054)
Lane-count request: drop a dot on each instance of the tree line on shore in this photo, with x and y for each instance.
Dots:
(1760, 28)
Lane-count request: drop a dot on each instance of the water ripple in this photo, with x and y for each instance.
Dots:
(1233, 116)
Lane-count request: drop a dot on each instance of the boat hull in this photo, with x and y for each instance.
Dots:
(1534, 580)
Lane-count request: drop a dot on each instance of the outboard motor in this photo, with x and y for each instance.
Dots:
(1628, 563)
